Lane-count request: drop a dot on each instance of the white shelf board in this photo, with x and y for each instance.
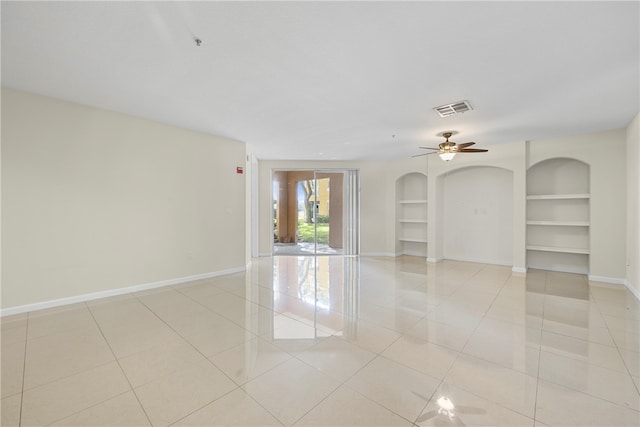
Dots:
(416, 221)
(558, 249)
(408, 202)
(560, 223)
(409, 239)
(558, 196)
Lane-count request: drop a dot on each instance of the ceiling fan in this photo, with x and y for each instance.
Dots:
(447, 150)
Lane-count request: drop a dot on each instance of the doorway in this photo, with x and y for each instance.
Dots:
(315, 212)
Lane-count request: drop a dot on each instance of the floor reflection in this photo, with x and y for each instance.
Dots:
(312, 295)
(334, 340)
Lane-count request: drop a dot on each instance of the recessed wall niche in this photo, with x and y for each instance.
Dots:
(411, 214)
(477, 215)
(558, 215)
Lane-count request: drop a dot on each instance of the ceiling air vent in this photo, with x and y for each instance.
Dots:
(453, 108)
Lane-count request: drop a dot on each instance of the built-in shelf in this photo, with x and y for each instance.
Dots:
(558, 215)
(408, 202)
(409, 239)
(411, 214)
(558, 249)
(560, 223)
(557, 196)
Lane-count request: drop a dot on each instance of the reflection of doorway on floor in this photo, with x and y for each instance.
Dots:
(304, 248)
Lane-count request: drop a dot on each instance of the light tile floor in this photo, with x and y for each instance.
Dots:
(333, 341)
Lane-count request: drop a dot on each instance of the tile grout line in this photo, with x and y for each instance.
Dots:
(185, 339)
(601, 367)
(340, 384)
(535, 402)
(637, 386)
(238, 387)
(344, 382)
(119, 366)
(62, 378)
(460, 353)
(293, 356)
(24, 367)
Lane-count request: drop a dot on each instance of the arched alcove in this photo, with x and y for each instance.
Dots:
(558, 193)
(475, 221)
(411, 214)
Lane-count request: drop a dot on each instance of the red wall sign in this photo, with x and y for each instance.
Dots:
(240, 170)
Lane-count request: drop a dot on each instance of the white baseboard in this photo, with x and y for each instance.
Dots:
(520, 271)
(604, 279)
(113, 292)
(634, 291)
(477, 261)
(616, 281)
(434, 260)
(414, 253)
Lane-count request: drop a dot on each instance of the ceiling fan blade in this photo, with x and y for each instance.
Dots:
(427, 416)
(465, 145)
(470, 410)
(472, 150)
(429, 148)
(425, 154)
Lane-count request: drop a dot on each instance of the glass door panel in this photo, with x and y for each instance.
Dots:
(315, 212)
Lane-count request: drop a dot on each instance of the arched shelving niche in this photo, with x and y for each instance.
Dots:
(558, 194)
(411, 214)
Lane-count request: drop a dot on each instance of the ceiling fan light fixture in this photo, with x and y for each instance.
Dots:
(447, 156)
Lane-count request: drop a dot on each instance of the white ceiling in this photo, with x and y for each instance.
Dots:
(336, 80)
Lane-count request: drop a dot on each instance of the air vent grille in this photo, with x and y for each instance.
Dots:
(453, 108)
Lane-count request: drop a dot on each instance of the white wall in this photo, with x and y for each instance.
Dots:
(633, 202)
(604, 153)
(478, 220)
(94, 201)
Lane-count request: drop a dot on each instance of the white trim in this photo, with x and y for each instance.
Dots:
(613, 280)
(519, 270)
(616, 282)
(635, 291)
(265, 254)
(413, 253)
(477, 261)
(255, 203)
(114, 292)
(434, 260)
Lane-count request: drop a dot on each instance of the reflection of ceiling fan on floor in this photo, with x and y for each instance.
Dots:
(447, 150)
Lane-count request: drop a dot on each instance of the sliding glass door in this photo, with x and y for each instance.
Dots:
(315, 212)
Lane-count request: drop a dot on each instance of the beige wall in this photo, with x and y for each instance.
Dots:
(94, 201)
(633, 208)
(603, 152)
